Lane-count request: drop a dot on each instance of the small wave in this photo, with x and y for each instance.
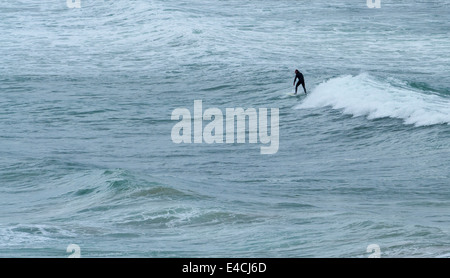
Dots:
(363, 95)
(162, 192)
(188, 216)
(108, 192)
(31, 234)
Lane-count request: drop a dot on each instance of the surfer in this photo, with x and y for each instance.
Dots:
(301, 80)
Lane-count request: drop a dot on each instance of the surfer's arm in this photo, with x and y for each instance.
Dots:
(295, 80)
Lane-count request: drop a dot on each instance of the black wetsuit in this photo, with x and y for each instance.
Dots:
(301, 80)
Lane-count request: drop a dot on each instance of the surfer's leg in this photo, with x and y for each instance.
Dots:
(296, 86)
(304, 89)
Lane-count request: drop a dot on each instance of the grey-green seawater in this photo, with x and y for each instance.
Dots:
(87, 158)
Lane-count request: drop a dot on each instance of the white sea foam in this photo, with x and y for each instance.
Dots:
(363, 95)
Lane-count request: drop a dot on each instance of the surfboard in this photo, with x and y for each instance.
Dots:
(296, 95)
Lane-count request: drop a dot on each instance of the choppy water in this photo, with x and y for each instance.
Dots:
(86, 155)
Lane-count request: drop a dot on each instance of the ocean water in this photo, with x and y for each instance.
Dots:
(87, 158)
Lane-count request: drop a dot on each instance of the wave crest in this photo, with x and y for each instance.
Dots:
(363, 95)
